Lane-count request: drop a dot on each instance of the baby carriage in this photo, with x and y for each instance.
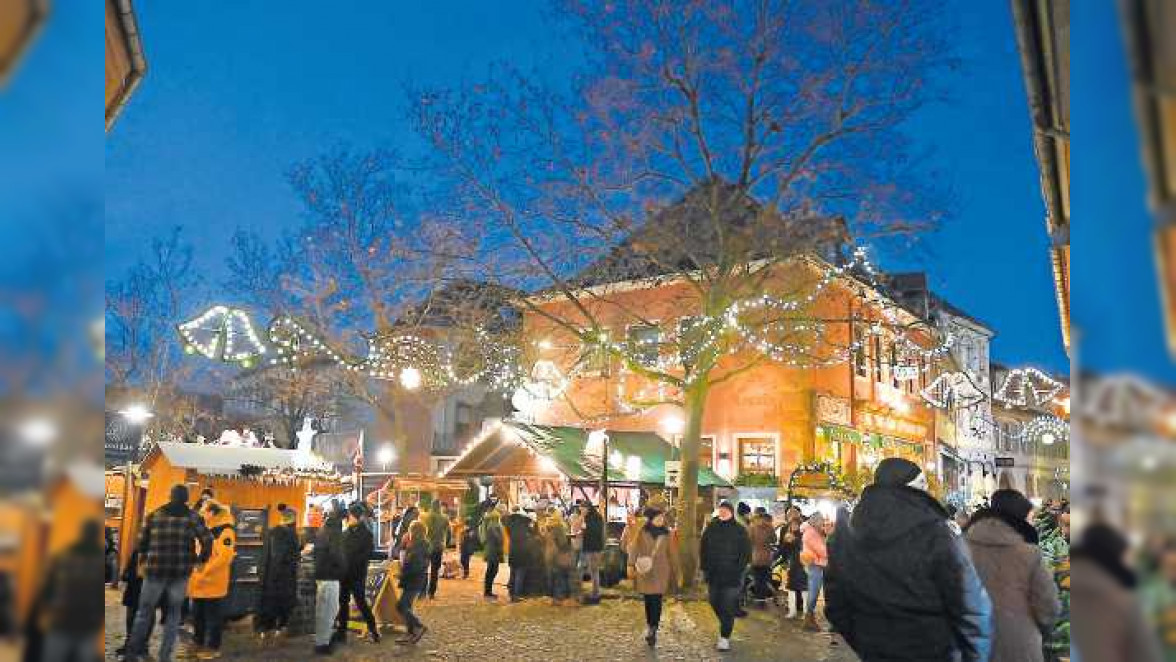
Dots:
(771, 590)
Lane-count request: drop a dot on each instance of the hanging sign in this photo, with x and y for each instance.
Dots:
(673, 473)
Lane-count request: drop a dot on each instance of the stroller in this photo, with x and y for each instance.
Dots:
(777, 573)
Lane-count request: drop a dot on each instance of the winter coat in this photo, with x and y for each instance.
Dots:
(330, 563)
(168, 541)
(1024, 598)
(813, 545)
(211, 580)
(132, 582)
(664, 575)
(790, 550)
(1109, 625)
(279, 568)
(724, 553)
(558, 548)
(762, 535)
(593, 531)
(437, 525)
(71, 598)
(900, 585)
(518, 527)
(358, 545)
(414, 569)
(492, 539)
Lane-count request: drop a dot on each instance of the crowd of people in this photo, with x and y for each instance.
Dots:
(902, 576)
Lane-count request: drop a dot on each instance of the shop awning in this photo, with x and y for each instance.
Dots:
(522, 450)
(214, 460)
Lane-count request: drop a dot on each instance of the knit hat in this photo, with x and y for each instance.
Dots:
(896, 472)
(727, 504)
(1011, 503)
(743, 509)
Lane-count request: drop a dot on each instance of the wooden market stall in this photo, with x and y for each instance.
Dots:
(532, 463)
(251, 481)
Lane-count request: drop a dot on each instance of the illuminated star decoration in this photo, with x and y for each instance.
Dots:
(1027, 387)
(952, 389)
(222, 333)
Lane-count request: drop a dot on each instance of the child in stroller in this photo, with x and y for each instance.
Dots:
(763, 585)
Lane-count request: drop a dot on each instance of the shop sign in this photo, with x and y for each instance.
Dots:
(1004, 462)
(901, 427)
(832, 409)
(673, 472)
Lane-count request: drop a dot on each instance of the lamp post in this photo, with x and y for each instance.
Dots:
(137, 415)
(385, 456)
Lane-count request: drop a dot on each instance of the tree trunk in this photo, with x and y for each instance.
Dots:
(695, 406)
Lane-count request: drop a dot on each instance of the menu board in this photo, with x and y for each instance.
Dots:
(251, 524)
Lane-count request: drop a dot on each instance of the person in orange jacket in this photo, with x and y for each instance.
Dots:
(209, 585)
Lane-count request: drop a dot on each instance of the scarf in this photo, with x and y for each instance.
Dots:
(656, 531)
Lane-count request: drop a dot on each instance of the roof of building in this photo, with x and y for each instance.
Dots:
(518, 450)
(215, 460)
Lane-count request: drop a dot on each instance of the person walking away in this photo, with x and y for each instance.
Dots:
(413, 579)
(518, 528)
(1111, 626)
(167, 548)
(279, 576)
(209, 584)
(592, 549)
(358, 545)
(470, 539)
(560, 559)
(437, 525)
(762, 534)
(899, 584)
(72, 599)
(796, 582)
(491, 535)
(723, 555)
(330, 569)
(654, 558)
(814, 555)
(1024, 599)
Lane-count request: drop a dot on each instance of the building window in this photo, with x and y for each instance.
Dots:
(645, 344)
(595, 357)
(876, 353)
(706, 450)
(757, 455)
(861, 362)
(463, 421)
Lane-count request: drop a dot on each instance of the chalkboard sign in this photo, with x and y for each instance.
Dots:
(251, 524)
(377, 575)
(247, 563)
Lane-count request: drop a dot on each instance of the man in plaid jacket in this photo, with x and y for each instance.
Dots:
(167, 546)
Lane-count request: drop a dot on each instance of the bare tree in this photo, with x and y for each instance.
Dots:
(364, 270)
(771, 133)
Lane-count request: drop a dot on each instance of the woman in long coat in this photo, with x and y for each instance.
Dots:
(797, 580)
(654, 541)
(279, 576)
(1024, 598)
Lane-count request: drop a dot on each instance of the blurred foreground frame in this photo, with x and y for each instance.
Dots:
(20, 23)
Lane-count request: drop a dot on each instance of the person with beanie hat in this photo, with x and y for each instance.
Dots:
(1024, 599)
(167, 547)
(899, 584)
(358, 546)
(723, 557)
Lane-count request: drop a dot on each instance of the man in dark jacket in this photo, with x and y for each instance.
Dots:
(518, 529)
(491, 535)
(330, 569)
(592, 548)
(724, 555)
(900, 584)
(279, 575)
(437, 525)
(358, 545)
(167, 548)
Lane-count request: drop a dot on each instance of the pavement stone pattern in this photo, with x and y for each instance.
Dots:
(463, 626)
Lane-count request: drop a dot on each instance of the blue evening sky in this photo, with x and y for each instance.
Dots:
(233, 97)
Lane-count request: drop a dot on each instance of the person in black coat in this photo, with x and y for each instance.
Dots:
(791, 544)
(518, 529)
(592, 549)
(358, 545)
(330, 569)
(279, 576)
(469, 545)
(414, 578)
(900, 585)
(723, 558)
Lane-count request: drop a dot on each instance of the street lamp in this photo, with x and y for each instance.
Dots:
(385, 455)
(38, 431)
(410, 379)
(137, 414)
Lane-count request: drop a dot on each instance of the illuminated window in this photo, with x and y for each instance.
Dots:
(757, 455)
(644, 343)
(861, 362)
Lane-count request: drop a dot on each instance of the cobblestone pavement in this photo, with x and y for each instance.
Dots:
(462, 626)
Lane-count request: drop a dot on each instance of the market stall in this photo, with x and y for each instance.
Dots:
(403, 490)
(252, 482)
(539, 465)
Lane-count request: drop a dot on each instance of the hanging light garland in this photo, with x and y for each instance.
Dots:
(1027, 387)
(222, 333)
